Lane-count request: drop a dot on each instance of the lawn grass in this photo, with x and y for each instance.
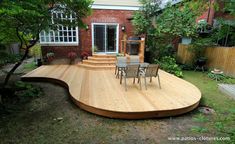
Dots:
(30, 66)
(39, 121)
(223, 122)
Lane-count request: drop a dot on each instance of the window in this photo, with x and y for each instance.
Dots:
(64, 35)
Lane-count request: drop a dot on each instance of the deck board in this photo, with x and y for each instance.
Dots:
(99, 92)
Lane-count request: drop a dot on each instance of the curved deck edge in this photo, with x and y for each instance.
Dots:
(116, 114)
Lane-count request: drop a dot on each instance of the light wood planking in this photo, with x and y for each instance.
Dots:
(99, 92)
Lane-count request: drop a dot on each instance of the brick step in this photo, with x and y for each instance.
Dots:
(101, 59)
(103, 56)
(99, 63)
(93, 67)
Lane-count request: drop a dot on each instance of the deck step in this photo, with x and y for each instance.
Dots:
(101, 59)
(100, 63)
(96, 67)
(103, 56)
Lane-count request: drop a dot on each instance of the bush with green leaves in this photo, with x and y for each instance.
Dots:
(6, 58)
(27, 90)
(214, 76)
(222, 78)
(168, 64)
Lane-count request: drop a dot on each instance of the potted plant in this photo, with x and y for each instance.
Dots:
(95, 49)
(50, 57)
(84, 54)
(72, 56)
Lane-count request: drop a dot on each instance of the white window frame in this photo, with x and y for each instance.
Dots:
(117, 37)
(44, 36)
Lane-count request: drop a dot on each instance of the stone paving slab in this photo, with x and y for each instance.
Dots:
(228, 89)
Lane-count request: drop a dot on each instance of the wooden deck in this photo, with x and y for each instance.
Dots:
(99, 92)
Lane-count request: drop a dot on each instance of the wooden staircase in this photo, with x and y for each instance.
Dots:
(99, 62)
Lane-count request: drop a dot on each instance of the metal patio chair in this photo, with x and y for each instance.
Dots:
(151, 71)
(120, 61)
(131, 71)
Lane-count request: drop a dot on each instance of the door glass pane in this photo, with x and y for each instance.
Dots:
(99, 38)
(111, 38)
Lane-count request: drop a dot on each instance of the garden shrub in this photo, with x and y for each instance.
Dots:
(27, 90)
(222, 78)
(6, 58)
(213, 76)
(168, 64)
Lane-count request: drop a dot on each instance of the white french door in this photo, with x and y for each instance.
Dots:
(105, 37)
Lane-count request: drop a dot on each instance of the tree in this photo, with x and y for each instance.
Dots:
(24, 20)
(162, 26)
(229, 6)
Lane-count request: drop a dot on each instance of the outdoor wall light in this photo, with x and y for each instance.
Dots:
(123, 28)
(87, 27)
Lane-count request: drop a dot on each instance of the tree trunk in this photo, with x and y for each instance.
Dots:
(9, 74)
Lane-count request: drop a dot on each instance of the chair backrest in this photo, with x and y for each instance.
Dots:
(121, 60)
(152, 70)
(132, 71)
(134, 59)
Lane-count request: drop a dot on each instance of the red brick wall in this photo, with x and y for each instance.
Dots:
(85, 36)
(106, 16)
(60, 51)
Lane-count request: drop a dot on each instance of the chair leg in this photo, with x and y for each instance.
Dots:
(115, 70)
(118, 73)
(145, 83)
(121, 79)
(139, 81)
(134, 81)
(150, 79)
(159, 81)
(125, 84)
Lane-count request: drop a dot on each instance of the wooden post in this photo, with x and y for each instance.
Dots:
(141, 50)
(124, 43)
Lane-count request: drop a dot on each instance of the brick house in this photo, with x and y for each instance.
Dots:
(109, 23)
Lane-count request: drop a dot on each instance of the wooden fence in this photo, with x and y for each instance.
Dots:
(218, 57)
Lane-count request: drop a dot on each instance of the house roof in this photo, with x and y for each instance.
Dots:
(132, 3)
(125, 4)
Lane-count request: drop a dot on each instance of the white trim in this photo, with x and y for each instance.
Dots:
(96, 6)
(117, 37)
(59, 44)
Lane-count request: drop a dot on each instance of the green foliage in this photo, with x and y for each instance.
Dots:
(6, 58)
(222, 78)
(25, 20)
(143, 18)
(30, 66)
(213, 76)
(168, 64)
(177, 21)
(200, 118)
(140, 22)
(199, 129)
(36, 51)
(162, 27)
(230, 6)
(28, 90)
(224, 34)
(199, 45)
(229, 80)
